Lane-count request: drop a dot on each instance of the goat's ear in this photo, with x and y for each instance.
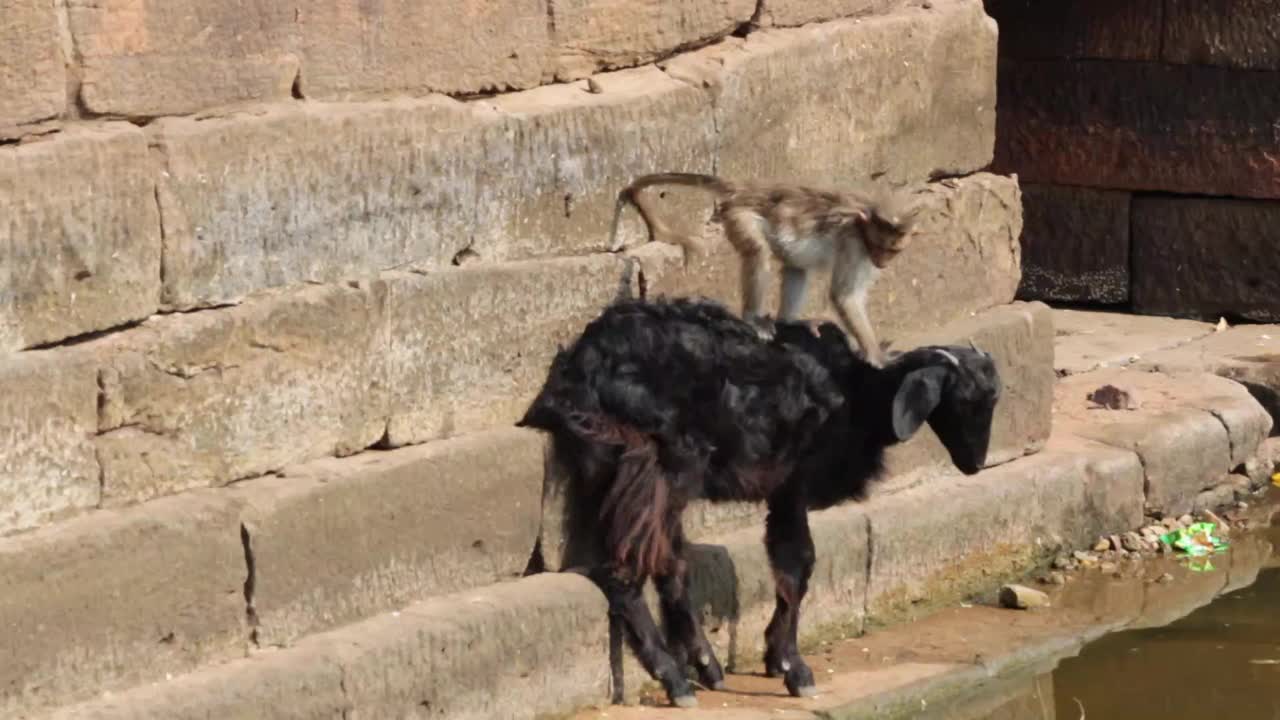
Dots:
(916, 398)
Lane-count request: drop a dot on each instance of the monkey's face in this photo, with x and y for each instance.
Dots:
(884, 239)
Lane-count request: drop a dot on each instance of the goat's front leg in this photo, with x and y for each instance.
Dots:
(627, 608)
(685, 637)
(790, 549)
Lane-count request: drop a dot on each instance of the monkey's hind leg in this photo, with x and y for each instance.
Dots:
(747, 238)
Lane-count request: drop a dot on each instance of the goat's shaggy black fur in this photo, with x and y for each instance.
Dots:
(661, 402)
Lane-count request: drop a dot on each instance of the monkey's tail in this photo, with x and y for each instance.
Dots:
(710, 183)
(658, 230)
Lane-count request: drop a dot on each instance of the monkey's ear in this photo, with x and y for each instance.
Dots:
(917, 396)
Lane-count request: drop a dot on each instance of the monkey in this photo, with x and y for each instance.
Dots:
(852, 234)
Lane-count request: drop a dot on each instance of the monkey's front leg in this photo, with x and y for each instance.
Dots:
(852, 311)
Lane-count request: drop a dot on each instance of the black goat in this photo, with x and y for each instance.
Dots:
(658, 403)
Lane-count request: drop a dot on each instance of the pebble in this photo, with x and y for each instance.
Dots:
(1062, 562)
(1101, 546)
(1053, 578)
(1020, 597)
(1133, 542)
(1109, 568)
(1185, 520)
(1164, 578)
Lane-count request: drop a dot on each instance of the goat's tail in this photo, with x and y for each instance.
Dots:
(636, 511)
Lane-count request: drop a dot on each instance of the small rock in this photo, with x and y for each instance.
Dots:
(1109, 568)
(1062, 562)
(1164, 578)
(1242, 505)
(1102, 545)
(1057, 578)
(593, 86)
(1020, 597)
(1170, 523)
(1185, 520)
(1133, 542)
(1222, 527)
(1116, 543)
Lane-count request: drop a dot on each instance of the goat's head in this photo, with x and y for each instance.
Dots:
(955, 388)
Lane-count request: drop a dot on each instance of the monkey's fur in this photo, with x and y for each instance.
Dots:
(852, 234)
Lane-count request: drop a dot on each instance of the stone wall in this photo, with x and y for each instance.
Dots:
(1146, 134)
(239, 238)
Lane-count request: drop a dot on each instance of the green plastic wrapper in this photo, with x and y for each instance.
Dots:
(1197, 540)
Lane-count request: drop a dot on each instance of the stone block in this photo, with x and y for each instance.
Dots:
(1232, 33)
(945, 540)
(143, 59)
(881, 96)
(339, 540)
(1248, 354)
(312, 193)
(1206, 258)
(80, 245)
(964, 259)
(793, 13)
(1090, 340)
(498, 326)
(1139, 126)
(550, 179)
(519, 650)
(1075, 244)
(593, 35)
(1189, 429)
(400, 47)
(1081, 30)
(208, 398)
(32, 77)
(48, 415)
(118, 598)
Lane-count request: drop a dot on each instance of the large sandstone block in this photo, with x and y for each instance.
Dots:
(1248, 354)
(1190, 430)
(339, 540)
(965, 258)
(947, 539)
(549, 180)
(792, 13)
(593, 35)
(1075, 244)
(1090, 340)
(143, 59)
(405, 47)
(80, 245)
(32, 76)
(846, 101)
(48, 415)
(1232, 33)
(312, 193)
(1084, 29)
(118, 598)
(519, 650)
(468, 349)
(208, 398)
(1139, 126)
(1207, 257)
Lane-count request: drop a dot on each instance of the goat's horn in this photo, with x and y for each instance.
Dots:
(974, 345)
(950, 358)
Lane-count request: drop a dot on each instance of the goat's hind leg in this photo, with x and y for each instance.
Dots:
(791, 557)
(685, 637)
(627, 609)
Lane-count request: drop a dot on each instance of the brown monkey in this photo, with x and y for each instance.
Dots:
(806, 229)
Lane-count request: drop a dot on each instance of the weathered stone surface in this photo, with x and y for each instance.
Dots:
(117, 598)
(1190, 429)
(965, 258)
(940, 541)
(335, 541)
(1207, 257)
(32, 76)
(592, 35)
(498, 326)
(1084, 29)
(80, 245)
(312, 193)
(1075, 244)
(208, 398)
(516, 650)
(1248, 354)
(1232, 33)
(1090, 340)
(882, 95)
(1139, 126)
(791, 13)
(48, 415)
(354, 49)
(550, 179)
(147, 59)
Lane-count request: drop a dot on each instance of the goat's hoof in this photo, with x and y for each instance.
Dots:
(805, 691)
(717, 685)
(799, 681)
(688, 702)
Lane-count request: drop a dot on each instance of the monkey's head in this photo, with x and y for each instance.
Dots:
(886, 227)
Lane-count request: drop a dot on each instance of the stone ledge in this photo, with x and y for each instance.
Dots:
(514, 650)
